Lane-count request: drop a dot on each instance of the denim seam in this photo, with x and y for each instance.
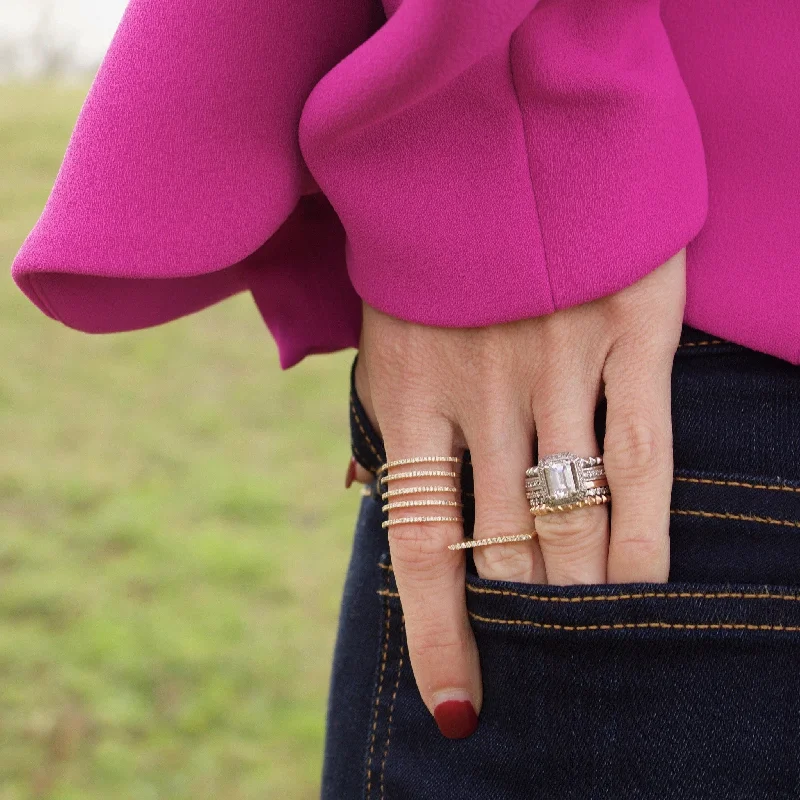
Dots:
(736, 517)
(632, 596)
(628, 596)
(359, 456)
(740, 484)
(691, 626)
(367, 437)
(376, 710)
(401, 656)
(640, 596)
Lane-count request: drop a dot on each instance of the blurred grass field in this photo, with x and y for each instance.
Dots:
(174, 535)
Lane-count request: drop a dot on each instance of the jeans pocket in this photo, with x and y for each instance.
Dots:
(734, 528)
(603, 691)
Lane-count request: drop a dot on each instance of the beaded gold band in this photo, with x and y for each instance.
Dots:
(593, 500)
(468, 544)
(411, 490)
(413, 520)
(418, 473)
(465, 544)
(402, 462)
(415, 503)
(417, 490)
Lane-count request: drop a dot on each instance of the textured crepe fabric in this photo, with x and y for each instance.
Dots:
(452, 163)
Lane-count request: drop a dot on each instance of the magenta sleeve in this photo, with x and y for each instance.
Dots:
(453, 164)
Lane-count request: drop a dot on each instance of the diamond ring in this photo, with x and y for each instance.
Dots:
(564, 482)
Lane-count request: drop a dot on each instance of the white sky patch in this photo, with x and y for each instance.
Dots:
(85, 27)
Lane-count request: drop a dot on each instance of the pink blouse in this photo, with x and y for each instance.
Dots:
(450, 162)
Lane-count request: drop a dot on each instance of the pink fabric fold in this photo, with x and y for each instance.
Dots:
(449, 163)
(183, 181)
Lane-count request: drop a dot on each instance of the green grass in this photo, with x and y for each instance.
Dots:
(173, 539)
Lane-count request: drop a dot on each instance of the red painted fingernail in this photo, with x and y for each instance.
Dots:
(351, 473)
(456, 718)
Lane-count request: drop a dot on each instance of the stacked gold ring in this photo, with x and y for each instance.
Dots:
(565, 482)
(404, 462)
(412, 490)
(387, 477)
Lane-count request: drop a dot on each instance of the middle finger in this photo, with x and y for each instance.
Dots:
(501, 448)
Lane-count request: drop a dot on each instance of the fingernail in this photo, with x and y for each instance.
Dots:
(351, 473)
(456, 718)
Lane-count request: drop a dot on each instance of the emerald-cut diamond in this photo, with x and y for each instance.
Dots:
(562, 480)
(559, 482)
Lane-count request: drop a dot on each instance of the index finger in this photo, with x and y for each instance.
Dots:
(431, 578)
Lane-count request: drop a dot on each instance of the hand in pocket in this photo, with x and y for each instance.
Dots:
(507, 393)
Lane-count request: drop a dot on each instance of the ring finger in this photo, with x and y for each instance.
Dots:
(574, 543)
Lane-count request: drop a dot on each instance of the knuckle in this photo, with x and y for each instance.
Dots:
(641, 548)
(439, 643)
(581, 523)
(639, 558)
(491, 438)
(510, 562)
(418, 548)
(631, 312)
(637, 446)
(572, 541)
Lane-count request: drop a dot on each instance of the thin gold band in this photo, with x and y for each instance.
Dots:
(417, 490)
(415, 503)
(412, 520)
(402, 462)
(419, 473)
(467, 544)
(594, 500)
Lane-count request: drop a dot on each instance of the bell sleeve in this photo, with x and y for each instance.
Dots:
(449, 163)
(183, 182)
(502, 164)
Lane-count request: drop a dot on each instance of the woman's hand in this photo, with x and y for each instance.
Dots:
(506, 392)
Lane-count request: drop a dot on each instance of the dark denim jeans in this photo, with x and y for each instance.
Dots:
(689, 689)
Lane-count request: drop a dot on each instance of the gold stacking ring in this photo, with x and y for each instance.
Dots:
(417, 490)
(413, 503)
(465, 544)
(593, 500)
(412, 490)
(565, 482)
(468, 544)
(418, 473)
(402, 462)
(411, 520)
